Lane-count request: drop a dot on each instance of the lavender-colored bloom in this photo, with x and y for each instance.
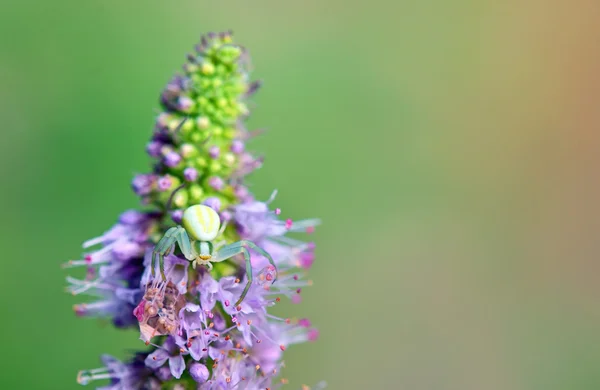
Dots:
(131, 375)
(111, 266)
(190, 174)
(199, 372)
(172, 159)
(216, 183)
(208, 289)
(176, 271)
(143, 184)
(176, 216)
(169, 351)
(116, 302)
(241, 192)
(185, 103)
(307, 258)
(256, 222)
(153, 148)
(213, 203)
(226, 216)
(126, 250)
(237, 147)
(214, 152)
(163, 119)
(163, 373)
(248, 163)
(164, 183)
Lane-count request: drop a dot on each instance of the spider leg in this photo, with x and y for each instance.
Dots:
(231, 250)
(223, 227)
(161, 266)
(164, 251)
(262, 252)
(248, 274)
(162, 247)
(185, 244)
(219, 244)
(158, 245)
(228, 252)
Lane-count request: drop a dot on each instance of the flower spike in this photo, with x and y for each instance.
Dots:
(208, 324)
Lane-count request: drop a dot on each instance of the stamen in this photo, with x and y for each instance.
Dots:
(304, 224)
(272, 197)
(93, 241)
(84, 377)
(286, 320)
(81, 286)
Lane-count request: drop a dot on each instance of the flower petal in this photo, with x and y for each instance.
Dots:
(156, 358)
(177, 365)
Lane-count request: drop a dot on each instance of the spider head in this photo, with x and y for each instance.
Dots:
(201, 222)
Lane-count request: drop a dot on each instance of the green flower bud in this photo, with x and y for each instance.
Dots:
(203, 122)
(229, 159)
(180, 199)
(195, 193)
(188, 151)
(207, 67)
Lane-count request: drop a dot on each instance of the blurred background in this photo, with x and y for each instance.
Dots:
(450, 147)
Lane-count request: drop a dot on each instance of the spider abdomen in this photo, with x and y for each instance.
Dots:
(201, 222)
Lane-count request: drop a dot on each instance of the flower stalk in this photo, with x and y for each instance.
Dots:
(195, 335)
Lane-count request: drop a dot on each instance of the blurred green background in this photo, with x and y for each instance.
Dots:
(451, 148)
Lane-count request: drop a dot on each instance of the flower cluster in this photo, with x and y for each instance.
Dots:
(196, 335)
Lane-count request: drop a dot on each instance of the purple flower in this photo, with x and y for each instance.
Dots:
(131, 375)
(176, 271)
(164, 183)
(208, 289)
(248, 164)
(176, 216)
(307, 257)
(216, 183)
(226, 216)
(172, 159)
(153, 148)
(116, 302)
(185, 103)
(214, 152)
(199, 372)
(111, 267)
(241, 192)
(244, 372)
(191, 317)
(213, 203)
(190, 174)
(230, 289)
(237, 147)
(143, 184)
(255, 221)
(168, 351)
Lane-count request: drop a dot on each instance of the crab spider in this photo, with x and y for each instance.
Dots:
(201, 225)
